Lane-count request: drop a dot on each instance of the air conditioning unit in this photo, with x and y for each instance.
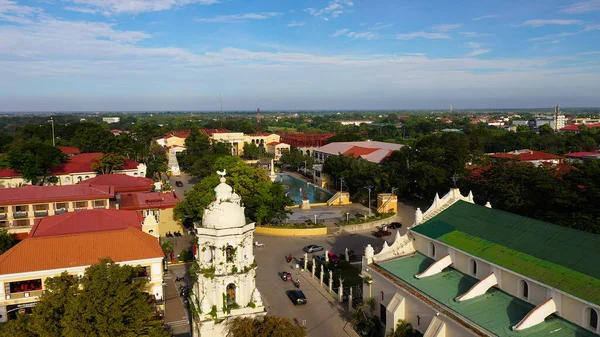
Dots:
(8, 296)
(27, 294)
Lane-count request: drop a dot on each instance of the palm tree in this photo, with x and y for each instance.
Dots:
(403, 329)
(167, 246)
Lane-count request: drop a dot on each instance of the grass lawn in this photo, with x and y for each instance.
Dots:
(345, 270)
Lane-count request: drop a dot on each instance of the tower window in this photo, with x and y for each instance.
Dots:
(592, 318)
(230, 293)
(229, 253)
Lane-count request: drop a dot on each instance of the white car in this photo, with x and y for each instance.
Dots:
(313, 248)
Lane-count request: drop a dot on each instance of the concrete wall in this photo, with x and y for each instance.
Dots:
(272, 231)
(372, 225)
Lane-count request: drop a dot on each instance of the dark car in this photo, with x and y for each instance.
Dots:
(313, 248)
(382, 233)
(178, 183)
(395, 225)
(297, 297)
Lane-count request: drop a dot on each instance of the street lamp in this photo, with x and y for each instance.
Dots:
(347, 214)
(164, 284)
(369, 187)
(393, 189)
(315, 219)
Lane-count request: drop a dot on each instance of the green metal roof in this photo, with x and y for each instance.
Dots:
(495, 311)
(560, 257)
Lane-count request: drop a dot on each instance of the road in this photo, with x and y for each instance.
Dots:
(321, 316)
(188, 183)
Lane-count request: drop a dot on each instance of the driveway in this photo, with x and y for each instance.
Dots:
(188, 183)
(321, 316)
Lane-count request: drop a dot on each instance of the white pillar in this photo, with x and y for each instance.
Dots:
(346, 255)
(305, 261)
(321, 275)
(341, 290)
(350, 300)
(330, 281)
(326, 256)
(314, 268)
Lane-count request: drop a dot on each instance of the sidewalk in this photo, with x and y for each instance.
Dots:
(332, 298)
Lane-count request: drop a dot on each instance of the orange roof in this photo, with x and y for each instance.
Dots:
(122, 182)
(178, 133)
(274, 143)
(263, 134)
(575, 127)
(79, 250)
(47, 194)
(149, 200)
(69, 149)
(86, 221)
(210, 132)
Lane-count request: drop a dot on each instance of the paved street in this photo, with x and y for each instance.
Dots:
(188, 184)
(321, 316)
(176, 316)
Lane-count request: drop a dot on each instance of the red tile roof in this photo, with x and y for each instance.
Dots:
(122, 182)
(274, 143)
(178, 133)
(263, 134)
(357, 151)
(92, 220)
(581, 155)
(69, 149)
(79, 250)
(82, 163)
(9, 173)
(210, 132)
(526, 155)
(149, 200)
(575, 127)
(46, 194)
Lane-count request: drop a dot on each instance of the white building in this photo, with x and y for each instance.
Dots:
(372, 151)
(469, 270)
(226, 283)
(111, 120)
(355, 122)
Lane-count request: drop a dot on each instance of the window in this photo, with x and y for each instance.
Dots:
(230, 294)
(591, 318)
(432, 249)
(25, 286)
(81, 204)
(524, 289)
(382, 313)
(229, 253)
(79, 178)
(473, 267)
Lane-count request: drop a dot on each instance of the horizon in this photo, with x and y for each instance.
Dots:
(180, 55)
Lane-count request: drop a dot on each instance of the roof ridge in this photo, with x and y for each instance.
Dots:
(144, 237)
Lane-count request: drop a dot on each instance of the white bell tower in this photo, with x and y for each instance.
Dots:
(225, 266)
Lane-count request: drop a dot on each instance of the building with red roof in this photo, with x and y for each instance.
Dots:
(122, 183)
(581, 156)
(25, 267)
(535, 157)
(156, 208)
(77, 168)
(578, 127)
(306, 142)
(86, 221)
(372, 151)
(20, 207)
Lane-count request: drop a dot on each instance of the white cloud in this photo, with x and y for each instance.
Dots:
(424, 35)
(295, 24)
(334, 9)
(363, 35)
(113, 7)
(239, 17)
(553, 36)
(591, 27)
(555, 41)
(81, 9)
(540, 23)
(380, 26)
(447, 27)
(11, 11)
(485, 17)
(340, 32)
(582, 7)
(474, 45)
(415, 54)
(473, 34)
(478, 52)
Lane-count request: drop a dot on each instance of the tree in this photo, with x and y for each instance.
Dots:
(267, 326)
(6, 240)
(90, 137)
(109, 300)
(108, 163)
(363, 319)
(34, 160)
(295, 159)
(251, 151)
(404, 329)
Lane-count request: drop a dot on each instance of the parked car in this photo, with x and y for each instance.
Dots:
(381, 233)
(297, 297)
(395, 225)
(320, 257)
(333, 258)
(313, 248)
(178, 183)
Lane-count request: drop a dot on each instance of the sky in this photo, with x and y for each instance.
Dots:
(135, 55)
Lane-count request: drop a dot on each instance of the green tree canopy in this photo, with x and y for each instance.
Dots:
(6, 240)
(108, 301)
(267, 326)
(34, 160)
(108, 163)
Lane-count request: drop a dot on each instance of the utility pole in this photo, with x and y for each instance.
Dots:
(369, 187)
(341, 189)
(53, 140)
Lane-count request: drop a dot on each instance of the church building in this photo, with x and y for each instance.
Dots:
(469, 270)
(226, 270)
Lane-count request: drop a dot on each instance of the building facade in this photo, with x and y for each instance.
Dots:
(21, 207)
(157, 208)
(226, 285)
(469, 270)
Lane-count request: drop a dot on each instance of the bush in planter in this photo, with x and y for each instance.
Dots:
(185, 256)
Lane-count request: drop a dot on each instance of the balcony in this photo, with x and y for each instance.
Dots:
(60, 211)
(25, 294)
(2, 216)
(20, 214)
(40, 213)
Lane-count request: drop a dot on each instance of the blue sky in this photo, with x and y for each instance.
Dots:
(61, 55)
